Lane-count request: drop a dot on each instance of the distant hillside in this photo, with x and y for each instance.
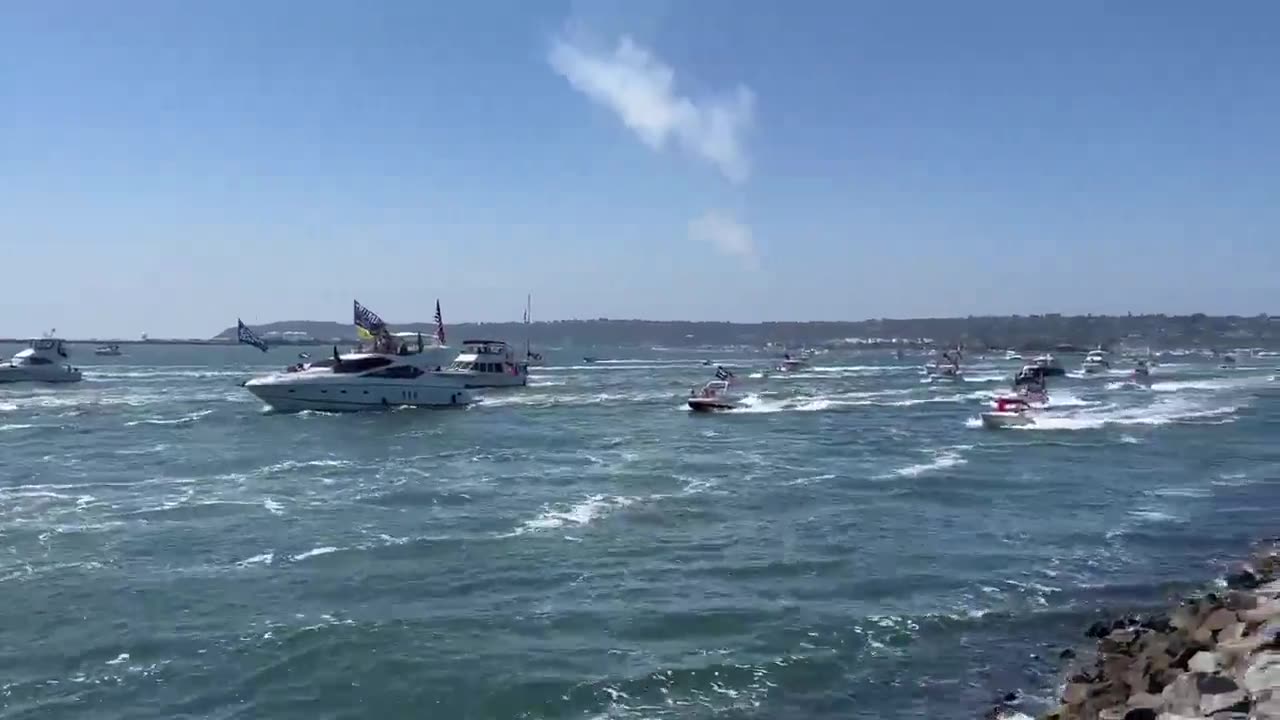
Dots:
(1032, 332)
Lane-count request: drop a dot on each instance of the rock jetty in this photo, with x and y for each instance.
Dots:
(1215, 656)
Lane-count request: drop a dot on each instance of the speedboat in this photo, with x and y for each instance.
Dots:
(714, 396)
(361, 381)
(1228, 362)
(1049, 365)
(1095, 363)
(1009, 411)
(44, 360)
(1141, 375)
(487, 363)
(1012, 355)
(790, 363)
(945, 373)
(107, 350)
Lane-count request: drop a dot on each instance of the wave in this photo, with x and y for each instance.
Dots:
(579, 514)
(1160, 413)
(315, 552)
(943, 458)
(185, 419)
(550, 400)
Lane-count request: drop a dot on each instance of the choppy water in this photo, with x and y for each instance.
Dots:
(849, 545)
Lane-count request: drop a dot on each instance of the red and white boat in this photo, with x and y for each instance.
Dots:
(1009, 411)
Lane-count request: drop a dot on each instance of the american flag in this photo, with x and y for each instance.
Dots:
(368, 320)
(722, 374)
(246, 336)
(439, 324)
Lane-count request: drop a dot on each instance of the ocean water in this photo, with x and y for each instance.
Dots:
(851, 544)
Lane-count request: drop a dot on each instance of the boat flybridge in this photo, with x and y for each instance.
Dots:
(44, 360)
(487, 363)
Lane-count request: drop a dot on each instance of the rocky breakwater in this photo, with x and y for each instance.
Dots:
(1215, 656)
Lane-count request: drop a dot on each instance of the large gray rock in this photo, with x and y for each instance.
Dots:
(1181, 696)
(1263, 673)
(1219, 619)
(1234, 631)
(1146, 700)
(1205, 662)
(1075, 693)
(1266, 706)
(1210, 704)
(1264, 612)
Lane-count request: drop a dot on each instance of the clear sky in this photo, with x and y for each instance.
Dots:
(169, 166)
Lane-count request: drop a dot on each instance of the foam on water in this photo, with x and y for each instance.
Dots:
(577, 514)
(941, 459)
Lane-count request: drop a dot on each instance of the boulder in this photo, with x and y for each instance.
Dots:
(1266, 706)
(1184, 618)
(1067, 654)
(1140, 713)
(1231, 650)
(1263, 673)
(1111, 713)
(1243, 580)
(1234, 631)
(1271, 589)
(1219, 619)
(1205, 662)
(1234, 701)
(1075, 693)
(1098, 630)
(1264, 612)
(1181, 696)
(1145, 700)
(1237, 600)
(1157, 623)
(1203, 637)
(1117, 641)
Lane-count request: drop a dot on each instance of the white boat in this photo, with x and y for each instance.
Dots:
(361, 381)
(790, 363)
(1012, 355)
(107, 350)
(714, 396)
(44, 360)
(1141, 375)
(1009, 411)
(1095, 363)
(945, 373)
(487, 363)
(1049, 365)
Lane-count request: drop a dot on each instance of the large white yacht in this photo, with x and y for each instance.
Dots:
(361, 381)
(1095, 363)
(44, 360)
(487, 363)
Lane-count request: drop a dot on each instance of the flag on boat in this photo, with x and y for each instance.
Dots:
(722, 374)
(368, 324)
(439, 324)
(247, 336)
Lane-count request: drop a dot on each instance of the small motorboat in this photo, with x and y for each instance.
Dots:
(1012, 355)
(1009, 411)
(790, 363)
(713, 397)
(590, 359)
(107, 351)
(945, 373)
(1141, 375)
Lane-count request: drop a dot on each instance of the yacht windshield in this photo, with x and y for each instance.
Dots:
(359, 365)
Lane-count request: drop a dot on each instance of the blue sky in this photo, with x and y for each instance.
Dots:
(176, 165)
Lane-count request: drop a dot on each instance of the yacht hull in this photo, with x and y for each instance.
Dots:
(285, 396)
(35, 375)
(708, 405)
(996, 420)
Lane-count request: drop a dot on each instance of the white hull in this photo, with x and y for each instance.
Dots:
(321, 388)
(1095, 369)
(711, 404)
(470, 379)
(38, 374)
(995, 420)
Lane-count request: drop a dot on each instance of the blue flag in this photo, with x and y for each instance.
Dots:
(246, 336)
(368, 320)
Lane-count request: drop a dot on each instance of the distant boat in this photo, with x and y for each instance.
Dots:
(107, 350)
(590, 359)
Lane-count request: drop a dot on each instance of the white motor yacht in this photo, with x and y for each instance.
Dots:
(1095, 363)
(1049, 365)
(487, 363)
(44, 360)
(361, 381)
(107, 351)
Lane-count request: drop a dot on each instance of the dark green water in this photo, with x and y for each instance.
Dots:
(850, 545)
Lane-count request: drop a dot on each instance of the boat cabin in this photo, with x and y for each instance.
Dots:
(486, 356)
(715, 388)
(42, 351)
